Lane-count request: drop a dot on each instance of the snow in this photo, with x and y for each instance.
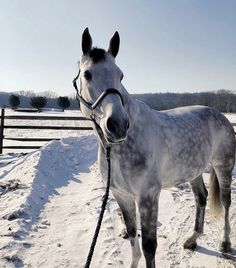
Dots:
(50, 203)
(231, 117)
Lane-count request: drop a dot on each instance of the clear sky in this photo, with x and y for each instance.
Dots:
(166, 45)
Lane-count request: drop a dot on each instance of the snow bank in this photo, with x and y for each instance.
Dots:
(40, 173)
(29, 181)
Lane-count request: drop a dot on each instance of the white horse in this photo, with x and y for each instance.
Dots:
(151, 150)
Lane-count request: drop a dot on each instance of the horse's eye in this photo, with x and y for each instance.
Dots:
(87, 75)
(121, 78)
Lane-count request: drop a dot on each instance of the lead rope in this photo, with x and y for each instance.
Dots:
(108, 150)
(103, 207)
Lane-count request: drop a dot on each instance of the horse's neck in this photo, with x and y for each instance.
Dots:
(136, 109)
(130, 102)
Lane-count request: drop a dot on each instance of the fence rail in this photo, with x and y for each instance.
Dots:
(33, 117)
(47, 127)
(44, 117)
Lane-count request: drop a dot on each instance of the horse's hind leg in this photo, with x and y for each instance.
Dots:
(224, 178)
(128, 209)
(200, 194)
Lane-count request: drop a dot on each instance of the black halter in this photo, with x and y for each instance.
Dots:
(93, 106)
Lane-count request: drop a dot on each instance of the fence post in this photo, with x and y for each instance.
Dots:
(2, 129)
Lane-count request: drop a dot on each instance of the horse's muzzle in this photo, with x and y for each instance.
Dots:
(116, 129)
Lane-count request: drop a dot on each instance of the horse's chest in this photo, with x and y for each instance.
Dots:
(129, 166)
(132, 159)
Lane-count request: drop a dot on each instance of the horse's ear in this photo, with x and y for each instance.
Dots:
(114, 44)
(86, 41)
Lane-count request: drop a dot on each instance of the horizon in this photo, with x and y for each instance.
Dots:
(166, 46)
(55, 95)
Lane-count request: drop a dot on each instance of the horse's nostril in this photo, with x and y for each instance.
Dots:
(127, 126)
(111, 125)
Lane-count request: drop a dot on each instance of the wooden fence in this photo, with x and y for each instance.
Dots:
(33, 117)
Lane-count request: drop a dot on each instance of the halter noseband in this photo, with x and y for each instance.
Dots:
(93, 106)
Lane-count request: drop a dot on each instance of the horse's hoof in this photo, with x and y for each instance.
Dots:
(190, 244)
(225, 247)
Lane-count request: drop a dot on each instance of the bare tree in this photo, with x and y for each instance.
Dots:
(49, 94)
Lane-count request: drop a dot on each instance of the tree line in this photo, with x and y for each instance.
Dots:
(39, 102)
(50, 99)
(223, 100)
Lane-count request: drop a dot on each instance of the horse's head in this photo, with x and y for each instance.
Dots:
(100, 88)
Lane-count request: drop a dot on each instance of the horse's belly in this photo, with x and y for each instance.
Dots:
(177, 176)
(183, 166)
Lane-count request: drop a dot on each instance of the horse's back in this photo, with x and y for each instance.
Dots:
(199, 116)
(191, 137)
(203, 122)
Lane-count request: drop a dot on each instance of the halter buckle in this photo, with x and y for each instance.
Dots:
(92, 115)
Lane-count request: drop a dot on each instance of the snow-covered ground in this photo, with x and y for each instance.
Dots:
(50, 201)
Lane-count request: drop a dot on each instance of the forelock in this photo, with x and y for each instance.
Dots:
(97, 54)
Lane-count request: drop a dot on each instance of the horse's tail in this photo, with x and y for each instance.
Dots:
(214, 195)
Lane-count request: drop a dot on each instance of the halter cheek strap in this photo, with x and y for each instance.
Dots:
(93, 106)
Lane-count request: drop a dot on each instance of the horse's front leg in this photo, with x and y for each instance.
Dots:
(148, 209)
(128, 209)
